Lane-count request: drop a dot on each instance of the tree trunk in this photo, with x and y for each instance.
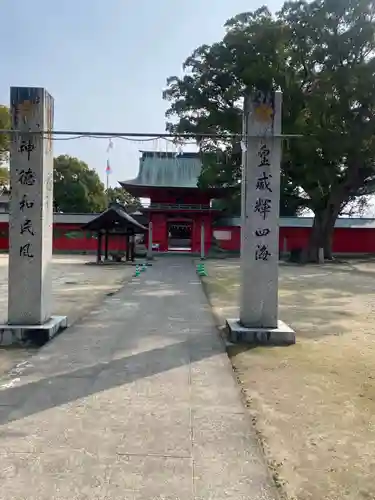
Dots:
(322, 232)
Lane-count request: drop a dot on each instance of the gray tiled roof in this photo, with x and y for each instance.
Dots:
(168, 171)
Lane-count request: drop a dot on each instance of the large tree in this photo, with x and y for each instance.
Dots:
(77, 188)
(120, 195)
(321, 54)
(4, 178)
(4, 138)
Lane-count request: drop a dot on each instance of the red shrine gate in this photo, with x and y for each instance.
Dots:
(178, 208)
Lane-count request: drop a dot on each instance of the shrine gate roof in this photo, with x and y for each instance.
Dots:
(158, 169)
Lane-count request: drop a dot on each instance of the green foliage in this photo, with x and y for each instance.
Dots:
(331, 45)
(120, 195)
(4, 138)
(224, 170)
(208, 99)
(77, 188)
(4, 177)
(321, 54)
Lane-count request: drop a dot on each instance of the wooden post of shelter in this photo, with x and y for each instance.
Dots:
(132, 247)
(106, 241)
(99, 248)
(127, 258)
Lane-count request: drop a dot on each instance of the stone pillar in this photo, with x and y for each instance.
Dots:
(31, 210)
(258, 320)
(149, 247)
(202, 241)
(321, 255)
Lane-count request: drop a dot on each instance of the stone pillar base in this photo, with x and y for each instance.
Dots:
(282, 335)
(33, 334)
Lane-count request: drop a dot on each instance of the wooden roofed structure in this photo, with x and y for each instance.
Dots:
(180, 210)
(115, 220)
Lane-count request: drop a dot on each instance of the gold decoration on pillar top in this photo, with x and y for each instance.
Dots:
(263, 113)
(263, 107)
(24, 111)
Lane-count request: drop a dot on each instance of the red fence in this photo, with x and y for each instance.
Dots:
(70, 238)
(345, 239)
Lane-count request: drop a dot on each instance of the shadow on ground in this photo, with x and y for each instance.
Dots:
(122, 371)
(92, 366)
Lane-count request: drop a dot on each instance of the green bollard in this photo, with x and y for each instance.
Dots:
(201, 270)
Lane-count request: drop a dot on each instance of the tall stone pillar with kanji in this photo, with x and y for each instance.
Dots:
(258, 320)
(31, 210)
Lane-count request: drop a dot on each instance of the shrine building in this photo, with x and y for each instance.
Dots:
(178, 207)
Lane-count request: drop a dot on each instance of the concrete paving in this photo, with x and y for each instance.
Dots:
(77, 288)
(137, 401)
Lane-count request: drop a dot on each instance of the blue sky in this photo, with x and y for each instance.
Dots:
(106, 62)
